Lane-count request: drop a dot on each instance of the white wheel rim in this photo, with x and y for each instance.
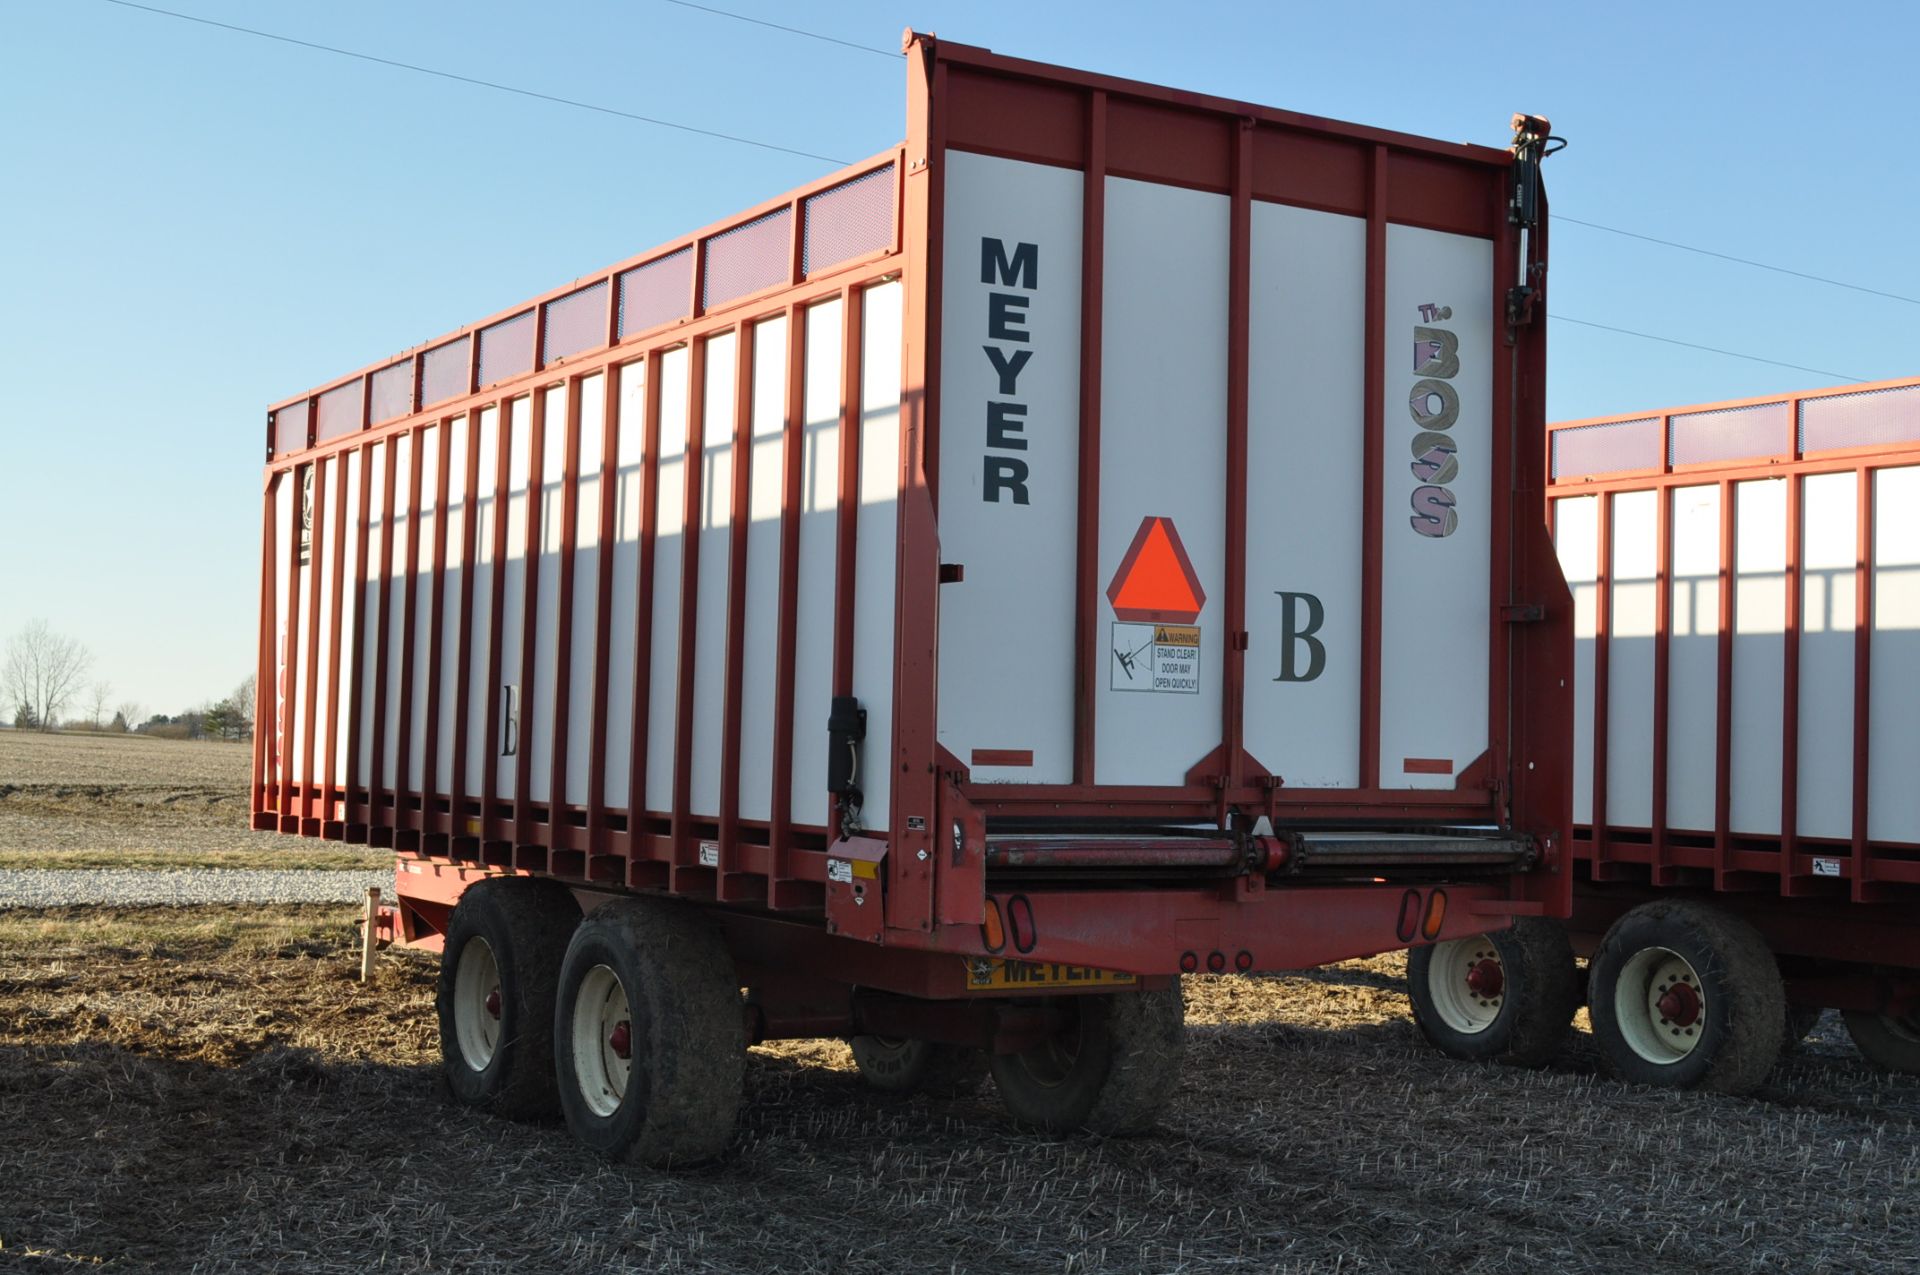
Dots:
(476, 1004)
(1660, 1006)
(1468, 983)
(602, 1040)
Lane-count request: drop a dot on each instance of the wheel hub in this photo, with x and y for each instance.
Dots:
(1679, 1004)
(1487, 979)
(620, 1040)
(493, 1003)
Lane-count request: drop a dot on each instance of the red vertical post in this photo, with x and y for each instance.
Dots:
(496, 619)
(331, 782)
(638, 836)
(847, 521)
(685, 872)
(1723, 697)
(523, 829)
(1239, 322)
(403, 750)
(289, 643)
(436, 632)
(1790, 693)
(460, 823)
(1373, 453)
(914, 808)
(378, 795)
(316, 537)
(730, 884)
(1662, 678)
(1087, 597)
(356, 813)
(1504, 568)
(1862, 866)
(1602, 644)
(782, 891)
(559, 824)
(603, 608)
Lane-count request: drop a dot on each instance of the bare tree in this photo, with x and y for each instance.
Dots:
(132, 713)
(41, 672)
(243, 696)
(97, 696)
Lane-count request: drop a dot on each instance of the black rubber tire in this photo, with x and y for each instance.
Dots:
(1540, 996)
(1111, 1071)
(1745, 1015)
(1889, 1043)
(918, 1066)
(688, 1034)
(526, 922)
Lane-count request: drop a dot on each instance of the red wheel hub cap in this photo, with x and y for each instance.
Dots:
(1487, 979)
(1679, 1005)
(620, 1040)
(493, 1002)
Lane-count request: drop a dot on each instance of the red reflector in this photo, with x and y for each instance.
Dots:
(1243, 961)
(1216, 961)
(1409, 922)
(1020, 922)
(1189, 962)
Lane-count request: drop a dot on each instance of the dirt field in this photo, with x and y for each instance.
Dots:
(130, 801)
(209, 1090)
(220, 1095)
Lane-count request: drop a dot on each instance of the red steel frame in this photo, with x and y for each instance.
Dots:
(1858, 915)
(962, 99)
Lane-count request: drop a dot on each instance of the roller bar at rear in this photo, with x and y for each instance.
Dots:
(1103, 529)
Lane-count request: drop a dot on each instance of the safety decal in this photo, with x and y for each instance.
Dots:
(1155, 657)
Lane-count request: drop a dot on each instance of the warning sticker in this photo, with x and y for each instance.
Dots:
(1155, 657)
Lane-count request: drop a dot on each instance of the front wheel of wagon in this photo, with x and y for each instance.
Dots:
(495, 996)
(1508, 997)
(649, 1037)
(1110, 1068)
(904, 1066)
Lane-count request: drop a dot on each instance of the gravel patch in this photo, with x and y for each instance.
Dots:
(46, 887)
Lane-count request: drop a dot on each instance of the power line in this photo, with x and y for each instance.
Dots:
(787, 150)
(485, 84)
(1744, 261)
(1732, 354)
(811, 35)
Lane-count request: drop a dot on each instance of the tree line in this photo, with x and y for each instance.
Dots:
(44, 687)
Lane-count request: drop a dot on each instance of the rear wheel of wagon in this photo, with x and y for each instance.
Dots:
(902, 1065)
(1888, 1041)
(1506, 997)
(495, 997)
(649, 1036)
(1689, 997)
(1110, 1068)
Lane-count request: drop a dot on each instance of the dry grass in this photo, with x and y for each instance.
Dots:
(242, 1104)
(83, 801)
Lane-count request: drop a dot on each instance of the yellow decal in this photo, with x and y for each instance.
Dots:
(990, 974)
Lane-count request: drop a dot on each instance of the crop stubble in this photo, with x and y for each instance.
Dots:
(209, 1089)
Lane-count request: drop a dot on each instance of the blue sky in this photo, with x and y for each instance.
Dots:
(194, 223)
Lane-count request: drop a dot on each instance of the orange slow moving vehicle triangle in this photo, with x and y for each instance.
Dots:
(1156, 583)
